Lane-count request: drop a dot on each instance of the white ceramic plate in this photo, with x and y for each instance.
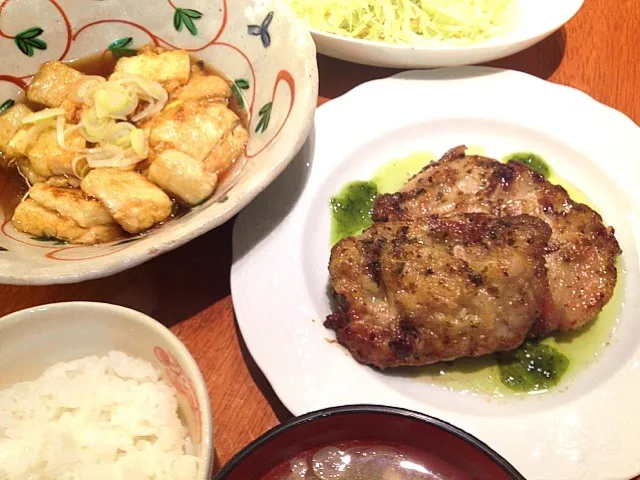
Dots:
(537, 19)
(279, 278)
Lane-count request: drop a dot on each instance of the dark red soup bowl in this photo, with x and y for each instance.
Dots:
(446, 452)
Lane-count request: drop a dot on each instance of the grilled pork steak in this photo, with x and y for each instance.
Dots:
(581, 252)
(439, 288)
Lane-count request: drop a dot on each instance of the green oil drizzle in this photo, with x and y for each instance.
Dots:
(351, 209)
(393, 175)
(574, 192)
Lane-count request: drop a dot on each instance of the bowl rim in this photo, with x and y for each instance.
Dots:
(274, 432)
(187, 361)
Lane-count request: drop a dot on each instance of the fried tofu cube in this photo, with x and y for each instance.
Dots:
(71, 203)
(171, 66)
(229, 150)
(10, 123)
(204, 86)
(201, 129)
(26, 170)
(134, 202)
(32, 218)
(52, 84)
(19, 144)
(48, 159)
(64, 181)
(182, 176)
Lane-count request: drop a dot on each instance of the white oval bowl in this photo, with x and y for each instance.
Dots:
(36, 338)
(537, 20)
(279, 72)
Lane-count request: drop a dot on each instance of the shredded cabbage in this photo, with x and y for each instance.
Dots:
(457, 22)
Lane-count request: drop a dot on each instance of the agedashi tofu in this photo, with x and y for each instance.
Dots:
(46, 156)
(10, 123)
(182, 176)
(52, 84)
(171, 66)
(134, 202)
(204, 86)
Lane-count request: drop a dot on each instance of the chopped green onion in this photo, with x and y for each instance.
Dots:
(44, 114)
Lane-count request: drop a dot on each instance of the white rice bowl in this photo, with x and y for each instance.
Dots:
(109, 417)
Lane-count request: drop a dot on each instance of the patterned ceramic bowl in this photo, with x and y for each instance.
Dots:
(259, 44)
(37, 338)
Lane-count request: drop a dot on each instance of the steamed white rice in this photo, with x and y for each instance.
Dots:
(94, 419)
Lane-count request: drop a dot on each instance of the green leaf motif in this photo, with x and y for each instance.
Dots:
(28, 41)
(54, 240)
(120, 43)
(237, 87)
(191, 13)
(242, 83)
(127, 240)
(120, 48)
(32, 32)
(265, 117)
(6, 105)
(185, 17)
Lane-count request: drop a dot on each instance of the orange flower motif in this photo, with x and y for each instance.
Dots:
(182, 383)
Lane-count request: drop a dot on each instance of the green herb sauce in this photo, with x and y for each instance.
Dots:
(532, 367)
(531, 160)
(351, 209)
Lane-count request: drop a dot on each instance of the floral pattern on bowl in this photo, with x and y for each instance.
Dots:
(268, 55)
(182, 383)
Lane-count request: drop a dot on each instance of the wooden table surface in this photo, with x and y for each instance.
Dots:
(188, 289)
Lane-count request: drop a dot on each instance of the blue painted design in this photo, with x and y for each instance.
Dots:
(263, 30)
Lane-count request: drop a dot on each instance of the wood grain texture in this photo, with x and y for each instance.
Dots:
(188, 289)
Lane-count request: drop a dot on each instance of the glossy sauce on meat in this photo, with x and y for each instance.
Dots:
(12, 184)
